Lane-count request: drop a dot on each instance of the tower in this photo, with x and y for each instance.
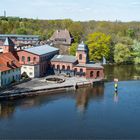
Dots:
(4, 13)
(82, 53)
(8, 45)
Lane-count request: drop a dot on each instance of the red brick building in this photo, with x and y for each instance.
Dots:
(10, 68)
(78, 65)
(35, 61)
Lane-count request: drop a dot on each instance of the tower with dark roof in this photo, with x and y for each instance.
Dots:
(8, 45)
(82, 53)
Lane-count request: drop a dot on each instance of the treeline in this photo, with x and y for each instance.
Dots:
(116, 41)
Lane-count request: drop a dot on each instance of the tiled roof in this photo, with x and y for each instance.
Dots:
(64, 58)
(40, 50)
(62, 35)
(8, 42)
(90, 65)
(8, 62)
(15, 35)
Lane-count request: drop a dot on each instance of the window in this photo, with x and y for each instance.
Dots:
(25, 67)
(28, 59)
(54, 66)
(81, 70)
(58, 67)
(75, 69)
(30, 73)
(91, 74)
(98, 74)
(63, 67)
(23, 58)
(68, 67)
(80, 57)
(34, 59)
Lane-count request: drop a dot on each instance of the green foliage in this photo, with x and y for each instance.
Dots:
(77, 31)
(73, 48)
(102, 43)
(121, 54)
(131, 33)
(21, 31)
(136, 52)
(99, 46)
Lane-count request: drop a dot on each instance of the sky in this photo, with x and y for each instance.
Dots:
(77, 10)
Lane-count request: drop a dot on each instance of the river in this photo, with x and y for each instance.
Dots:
(88, 113)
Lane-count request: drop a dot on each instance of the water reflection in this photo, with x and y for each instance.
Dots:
(6, 110)
(122, 72)
(81, 97)
(84, 95)
(116, 98)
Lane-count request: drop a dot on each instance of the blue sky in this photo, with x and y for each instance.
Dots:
(83, 10)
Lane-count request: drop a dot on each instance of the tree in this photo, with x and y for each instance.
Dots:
(122, 54)
(136, 52)
(130, 33)
(73, 49)
(77, 31)
(99, 46)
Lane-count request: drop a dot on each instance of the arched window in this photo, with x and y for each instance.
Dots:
(98, 74)
(81, 70)
(91, 74)
(34, 59)
(68, 67)
(58, 67)
(28, 59)
(75, 69)
(53, 66)
(80, 56)
(63, 67)
(23, 58)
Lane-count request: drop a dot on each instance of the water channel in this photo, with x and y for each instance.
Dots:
(88, 113)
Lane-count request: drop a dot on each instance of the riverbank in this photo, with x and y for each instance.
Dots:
(40, 86)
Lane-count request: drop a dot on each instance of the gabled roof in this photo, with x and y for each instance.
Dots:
(41, 50)
(8, 62)
(63, 35)
(8, 42)
(64, 58)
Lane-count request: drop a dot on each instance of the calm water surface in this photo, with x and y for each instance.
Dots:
(87, 113)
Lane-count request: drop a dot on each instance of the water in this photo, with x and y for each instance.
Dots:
(86, 114)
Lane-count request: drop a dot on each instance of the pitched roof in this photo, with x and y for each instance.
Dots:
(64, 58)
(15, 35)
(40, 50)
(8, 62)
(8, 42)
(90, 65)
(63, 35)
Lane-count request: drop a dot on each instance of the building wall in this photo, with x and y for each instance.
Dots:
(31, 70)
(84, 57)
(26, 55)
(0, 78)
(94, 73)
(43, 61)
(80, 71)
(61, 65)
(8, 77)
